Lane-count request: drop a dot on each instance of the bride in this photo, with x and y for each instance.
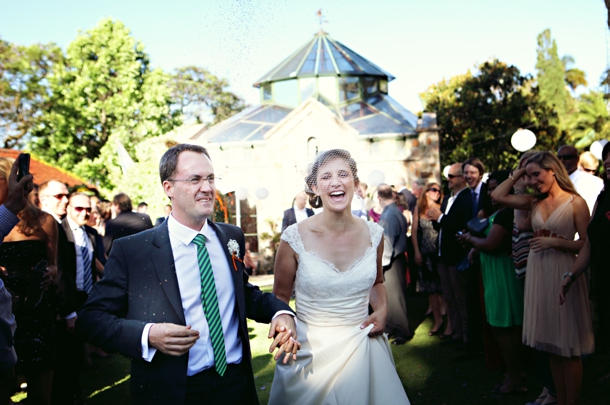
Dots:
(333, 260)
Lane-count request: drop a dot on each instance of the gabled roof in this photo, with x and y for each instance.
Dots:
(43, 171)
(323, 56)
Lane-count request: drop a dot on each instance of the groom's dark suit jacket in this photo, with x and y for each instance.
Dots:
(139, 287)
(453, 221)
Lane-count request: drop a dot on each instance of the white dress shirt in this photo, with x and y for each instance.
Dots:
(588, 186)
(300, 215)
(477, 190)
(78, 232)
(450, 202)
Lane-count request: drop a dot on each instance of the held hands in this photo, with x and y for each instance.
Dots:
(172, 339)
(284, 329)
(378, 319)
(540, 243)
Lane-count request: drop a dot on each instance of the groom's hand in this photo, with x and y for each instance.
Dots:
(172, 339)
(283, 328)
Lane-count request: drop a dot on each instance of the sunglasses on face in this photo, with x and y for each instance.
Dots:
(566, 157)
(453, 176)
(81, 209)
(589, 170)
(58, 196)
(434, 190)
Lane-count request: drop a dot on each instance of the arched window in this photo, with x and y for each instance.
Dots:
(312, 147)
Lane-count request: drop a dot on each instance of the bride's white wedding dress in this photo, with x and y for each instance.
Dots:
(338, 362)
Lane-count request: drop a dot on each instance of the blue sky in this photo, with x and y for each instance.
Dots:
(419, 42)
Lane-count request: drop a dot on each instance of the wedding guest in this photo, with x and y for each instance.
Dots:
(558, 212)
(453, 216)
(298, 212)
(593, 253)
(167, 209)
(503, 292)
(142, 208)
(424, 237)
(32, 243)
(333, 262)
(585, 184)
(126, 223)
(587, 162)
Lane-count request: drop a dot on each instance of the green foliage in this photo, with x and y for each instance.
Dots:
(551, 77)
(203, 97)
(105, 89)
(591, 121)
(478, 112)
(23, 87)
(573, 77)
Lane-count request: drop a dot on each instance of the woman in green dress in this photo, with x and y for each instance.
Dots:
(503, 291)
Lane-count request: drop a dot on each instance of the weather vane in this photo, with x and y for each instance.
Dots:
(321, 19)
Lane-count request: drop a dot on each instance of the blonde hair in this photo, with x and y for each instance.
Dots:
(5, 167)
(548, 161)
(588, 161)
(525, 157)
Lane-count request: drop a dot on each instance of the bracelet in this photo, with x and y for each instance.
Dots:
(512, 178)
(568, 274)
(518, 192)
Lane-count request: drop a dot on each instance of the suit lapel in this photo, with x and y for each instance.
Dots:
(163, 259)
(69, 234)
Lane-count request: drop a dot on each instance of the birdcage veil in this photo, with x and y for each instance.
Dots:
(325, 162)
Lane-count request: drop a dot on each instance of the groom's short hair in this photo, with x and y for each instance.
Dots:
(169, 160)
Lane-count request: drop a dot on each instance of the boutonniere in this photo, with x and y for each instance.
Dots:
(234, 251)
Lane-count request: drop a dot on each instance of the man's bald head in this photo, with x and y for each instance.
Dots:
(569, 157)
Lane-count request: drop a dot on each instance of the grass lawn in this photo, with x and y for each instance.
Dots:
(427, 369)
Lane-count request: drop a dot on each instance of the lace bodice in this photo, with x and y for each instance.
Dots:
(320, 279)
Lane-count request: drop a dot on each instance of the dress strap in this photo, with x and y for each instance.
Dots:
(376, 233)
(292, 236)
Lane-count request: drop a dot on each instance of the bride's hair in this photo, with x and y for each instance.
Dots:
(323, 158)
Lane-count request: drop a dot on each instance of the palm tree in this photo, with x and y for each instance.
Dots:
(574, 77)
(590, 121)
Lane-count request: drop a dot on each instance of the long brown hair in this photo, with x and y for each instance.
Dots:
(422, 201)
(548, 161)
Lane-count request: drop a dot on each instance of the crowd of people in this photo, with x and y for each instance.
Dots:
(73, 286)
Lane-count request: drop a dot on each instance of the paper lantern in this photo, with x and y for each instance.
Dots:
(376, 177)
(446, 171)
(523, 140)
(597, 147)
(241, 193)
(262, 193)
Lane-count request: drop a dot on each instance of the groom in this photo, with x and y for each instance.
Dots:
(174, 300)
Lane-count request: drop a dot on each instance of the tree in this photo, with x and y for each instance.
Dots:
(550, 76)
(591, 121)
(573, 77)
(105, 93)
(203, 97)
(23, 88)
(478, 112)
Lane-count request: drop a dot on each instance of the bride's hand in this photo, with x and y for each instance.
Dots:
(378, 319)
(284, 335)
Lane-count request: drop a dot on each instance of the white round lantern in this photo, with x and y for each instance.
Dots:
(262, 193)
(241, 193)
(523, 140)
(376, 177)
(597, 147)
(446, 171)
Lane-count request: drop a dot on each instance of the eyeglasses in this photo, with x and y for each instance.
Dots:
(435, 190)
(452, 176)
(589, 170)
(81, 209)
(566, 157)
(58, 196)
(198, 180)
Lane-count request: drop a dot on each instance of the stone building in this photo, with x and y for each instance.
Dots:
(323, 96)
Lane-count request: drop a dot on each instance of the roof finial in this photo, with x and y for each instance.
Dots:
(321, 20)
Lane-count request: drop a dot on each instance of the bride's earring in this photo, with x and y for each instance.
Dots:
(317, 200)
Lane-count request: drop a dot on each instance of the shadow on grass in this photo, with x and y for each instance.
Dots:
(250, 334)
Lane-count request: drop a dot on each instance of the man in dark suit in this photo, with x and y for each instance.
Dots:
(298, 212)
(175, 300)
(166, 210)
(126, 223)
(455, 213)
(394, 262)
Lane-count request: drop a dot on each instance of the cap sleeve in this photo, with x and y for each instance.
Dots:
(376, 233)
(292, 236)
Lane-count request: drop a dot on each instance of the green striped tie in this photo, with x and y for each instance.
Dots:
(210, 304)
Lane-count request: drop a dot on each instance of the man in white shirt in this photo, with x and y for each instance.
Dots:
(587, 185)
(175, 299)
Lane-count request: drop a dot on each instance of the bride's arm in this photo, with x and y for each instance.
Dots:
(378, 300)
(285, 270)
